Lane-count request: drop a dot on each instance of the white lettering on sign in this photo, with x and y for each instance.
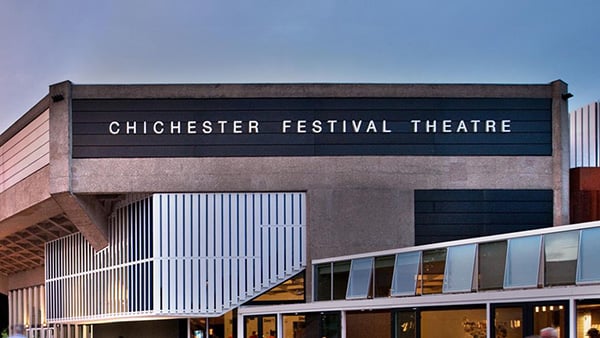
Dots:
(461, 126)
(176, 127)
(334, 126)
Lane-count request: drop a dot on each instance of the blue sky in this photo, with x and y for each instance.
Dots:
(262, 41)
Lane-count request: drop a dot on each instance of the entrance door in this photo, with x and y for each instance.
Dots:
(260, 326)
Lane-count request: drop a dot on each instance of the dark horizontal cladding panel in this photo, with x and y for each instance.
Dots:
(483, 206)
(310, 103)
(452, 214)
(483, 194)
(374, 113)
(312, 139)
(490, 218)
(358, 126)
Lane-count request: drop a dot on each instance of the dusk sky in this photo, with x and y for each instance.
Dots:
(311, 41)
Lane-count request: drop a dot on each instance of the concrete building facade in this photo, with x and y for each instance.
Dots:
(181, 204)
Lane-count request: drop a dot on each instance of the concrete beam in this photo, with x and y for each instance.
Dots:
(88, 215)
(28, 278)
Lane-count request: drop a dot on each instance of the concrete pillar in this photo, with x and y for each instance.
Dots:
(86, 213)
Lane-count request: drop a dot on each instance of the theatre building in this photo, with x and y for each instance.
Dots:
(294, 210)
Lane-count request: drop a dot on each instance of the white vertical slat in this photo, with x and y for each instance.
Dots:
(217, 291)
(210, 276)
(157, 262)
(172, 239)
(281, 236)
(226, 253)
(271, 243)
(237, 217)
(259, 265)
(303, 232)
(195, 244)
(164, 225)
(179, 245)
(249, 245)
(188, 240)
(203, 252)
(288, 226)
(150, 253)
(242, 244)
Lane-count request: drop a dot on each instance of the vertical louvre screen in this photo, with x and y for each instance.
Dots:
(217, 251)
(174, 254)
(111, 283)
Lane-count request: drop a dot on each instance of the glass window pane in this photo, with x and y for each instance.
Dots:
(460, 264)
(508, 322)
(331, 324)
(341, 272)
(560, 252)
(492, 259)
(588, 316)
(523, 262)
(432, 272)
(588, 268)
(406, 270)
(551, 314)
(384, 269)
(360, 278)
(323, 276)
(294, 325)
(453, 323)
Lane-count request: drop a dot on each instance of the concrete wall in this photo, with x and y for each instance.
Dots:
(355, 204)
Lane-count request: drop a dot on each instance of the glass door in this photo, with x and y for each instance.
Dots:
(260, 326)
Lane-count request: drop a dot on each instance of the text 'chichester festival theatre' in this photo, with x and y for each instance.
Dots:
(193, 127)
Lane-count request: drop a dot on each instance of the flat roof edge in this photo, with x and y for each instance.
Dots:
(291, 90)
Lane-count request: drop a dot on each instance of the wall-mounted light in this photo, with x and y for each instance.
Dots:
(567, 96)
(57, 98)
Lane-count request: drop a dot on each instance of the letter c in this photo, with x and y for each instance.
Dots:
(112, 126)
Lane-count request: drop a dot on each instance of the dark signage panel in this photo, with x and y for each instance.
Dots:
(311, 127)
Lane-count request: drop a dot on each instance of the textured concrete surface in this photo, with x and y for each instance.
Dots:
(355, 204)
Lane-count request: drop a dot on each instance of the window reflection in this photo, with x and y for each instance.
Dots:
(460, 264)
(492, 259)
(406, 270)
(523, 262)
(360, 278)
(588, 269)
(560, 252)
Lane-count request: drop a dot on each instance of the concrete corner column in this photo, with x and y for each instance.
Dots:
(560, 151)
(85, 212)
